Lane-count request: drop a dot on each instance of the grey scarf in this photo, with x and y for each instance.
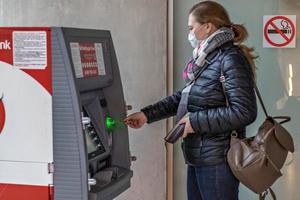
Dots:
(215, 40)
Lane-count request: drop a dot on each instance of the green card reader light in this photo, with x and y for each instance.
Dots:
(112, 124)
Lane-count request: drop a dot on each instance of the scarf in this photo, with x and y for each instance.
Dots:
(218, 38)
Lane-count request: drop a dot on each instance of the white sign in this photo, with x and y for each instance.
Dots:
(30, 49)
(279, 31)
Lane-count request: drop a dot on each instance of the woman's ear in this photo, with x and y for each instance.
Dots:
(210, 28)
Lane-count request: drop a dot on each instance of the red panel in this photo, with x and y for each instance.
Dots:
(26, 192)
(51, 193)
(2, 115)
(6, 55)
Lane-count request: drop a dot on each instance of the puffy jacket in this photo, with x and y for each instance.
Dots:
(210, 118)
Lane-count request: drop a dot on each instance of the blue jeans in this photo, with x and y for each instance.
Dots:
(214, 182)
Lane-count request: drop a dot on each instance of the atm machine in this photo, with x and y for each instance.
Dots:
(70, 82)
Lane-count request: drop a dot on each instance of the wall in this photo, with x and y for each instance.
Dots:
(273, 80)
(138, 29)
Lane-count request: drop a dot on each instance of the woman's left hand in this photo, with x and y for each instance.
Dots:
(188, 128)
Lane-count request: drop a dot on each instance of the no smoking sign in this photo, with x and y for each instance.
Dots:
(279, 31)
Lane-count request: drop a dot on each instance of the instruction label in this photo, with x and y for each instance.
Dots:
(30, 49)
(87, 59)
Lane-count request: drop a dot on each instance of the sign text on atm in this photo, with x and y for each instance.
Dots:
(5, 45)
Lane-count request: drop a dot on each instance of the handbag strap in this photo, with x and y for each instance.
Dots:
(284, 118)
(222, 80)
(260, 99)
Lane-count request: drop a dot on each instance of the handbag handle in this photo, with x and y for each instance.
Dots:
(285, 119)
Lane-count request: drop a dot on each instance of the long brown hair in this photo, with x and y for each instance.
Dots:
(210, 11)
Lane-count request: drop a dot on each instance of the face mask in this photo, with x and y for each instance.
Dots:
(193, 40)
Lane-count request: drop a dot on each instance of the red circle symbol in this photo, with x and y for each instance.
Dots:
(2, 116)
(286, 39)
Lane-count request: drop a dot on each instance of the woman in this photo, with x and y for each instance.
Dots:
(219, 96)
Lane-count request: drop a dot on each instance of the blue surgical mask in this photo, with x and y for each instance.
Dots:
(193, 40)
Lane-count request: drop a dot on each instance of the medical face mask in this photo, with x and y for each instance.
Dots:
(193, 40)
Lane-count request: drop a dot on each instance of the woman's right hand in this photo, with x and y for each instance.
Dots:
(136, 120)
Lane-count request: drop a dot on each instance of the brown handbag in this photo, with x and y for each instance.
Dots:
(256, 161)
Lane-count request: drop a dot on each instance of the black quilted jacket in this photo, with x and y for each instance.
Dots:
(210, 118)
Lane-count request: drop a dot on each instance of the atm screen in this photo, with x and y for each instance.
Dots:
(88, 59)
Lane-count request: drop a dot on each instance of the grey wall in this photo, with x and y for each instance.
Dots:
(272, 79)
(138, 29)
